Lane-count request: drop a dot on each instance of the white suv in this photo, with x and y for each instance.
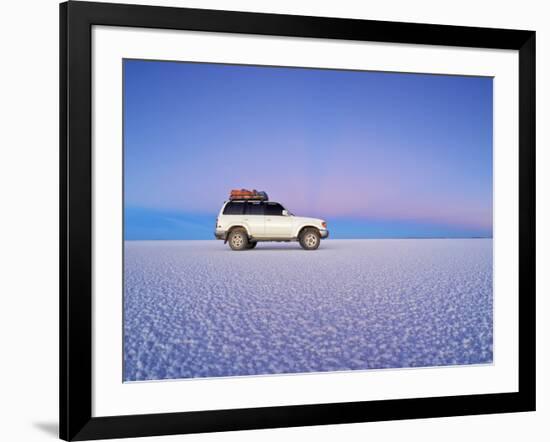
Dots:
(244, 223)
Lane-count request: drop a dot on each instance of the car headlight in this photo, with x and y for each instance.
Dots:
(324, 224)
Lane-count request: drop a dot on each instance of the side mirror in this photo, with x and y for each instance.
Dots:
(285, 212)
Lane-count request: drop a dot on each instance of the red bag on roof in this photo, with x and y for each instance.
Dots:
(245, 194)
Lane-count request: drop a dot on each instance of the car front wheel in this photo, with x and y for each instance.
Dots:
(310, 239)
(238, 239)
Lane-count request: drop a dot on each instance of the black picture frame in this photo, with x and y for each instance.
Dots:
(76, 21)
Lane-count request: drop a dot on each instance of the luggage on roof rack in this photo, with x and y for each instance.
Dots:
(245, 194)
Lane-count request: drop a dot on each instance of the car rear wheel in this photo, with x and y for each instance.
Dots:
(310, 239)
(238, 239)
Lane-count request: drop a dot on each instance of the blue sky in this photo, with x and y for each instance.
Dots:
(376, 154)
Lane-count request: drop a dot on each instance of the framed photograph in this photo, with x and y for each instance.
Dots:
(272, 220)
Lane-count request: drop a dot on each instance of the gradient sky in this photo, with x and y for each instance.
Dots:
(375, 154)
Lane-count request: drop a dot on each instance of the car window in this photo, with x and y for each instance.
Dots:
(234, 208)
(254, 208)
(274, 209)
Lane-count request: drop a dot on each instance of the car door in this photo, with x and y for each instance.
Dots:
(276, 224)
(254, 218)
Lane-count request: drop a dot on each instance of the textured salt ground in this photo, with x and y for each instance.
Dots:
(198, 309)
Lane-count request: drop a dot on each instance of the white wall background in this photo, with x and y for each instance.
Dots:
(29, 217)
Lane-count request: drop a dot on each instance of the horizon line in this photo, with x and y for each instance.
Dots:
(329, 239)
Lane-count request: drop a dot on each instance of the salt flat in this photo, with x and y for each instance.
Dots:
(198, 309)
